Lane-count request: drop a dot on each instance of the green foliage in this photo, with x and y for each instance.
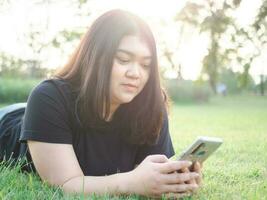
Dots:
(261, 88)
(16, 90)
(229, 78)
(260, 20)
(187, 91)
(213, 18)
(236, 82)
(66, 36)
(11, 66)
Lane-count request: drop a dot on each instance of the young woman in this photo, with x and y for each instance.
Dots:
(100, 125)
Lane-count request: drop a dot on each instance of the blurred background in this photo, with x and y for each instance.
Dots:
(206, 48)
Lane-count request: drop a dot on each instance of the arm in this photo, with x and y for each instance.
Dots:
(151, 178)
(57, 164)
(115, 184)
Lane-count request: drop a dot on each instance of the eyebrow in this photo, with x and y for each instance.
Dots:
(132, 54)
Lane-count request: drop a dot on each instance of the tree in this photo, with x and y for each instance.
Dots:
(213, 18)
(260, 26)
(10, 65)
(38, 44)
(255, 36)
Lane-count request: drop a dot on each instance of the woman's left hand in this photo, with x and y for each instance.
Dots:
(196, 167)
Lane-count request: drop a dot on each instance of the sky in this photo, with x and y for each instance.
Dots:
(16, 17)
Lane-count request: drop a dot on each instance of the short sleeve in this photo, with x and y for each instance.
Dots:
(163, 146)
(46, 118)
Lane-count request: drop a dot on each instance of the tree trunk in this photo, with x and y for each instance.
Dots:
(213, 85)
(262, 85)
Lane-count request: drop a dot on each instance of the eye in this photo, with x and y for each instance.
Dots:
(146, 65)
(123, 60)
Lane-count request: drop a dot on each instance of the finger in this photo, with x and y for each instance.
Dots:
(191, 181)
(198, 166)
(175, 178)
(157, 158)
(174, 188)
(172, 166)
(197, 169)
(201, 165)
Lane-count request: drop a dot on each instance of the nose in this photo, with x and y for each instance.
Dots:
(133, 71)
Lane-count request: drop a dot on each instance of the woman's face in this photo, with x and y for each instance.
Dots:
(130, 70)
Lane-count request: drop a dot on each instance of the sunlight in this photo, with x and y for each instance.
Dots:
(188, 50)
(144, 8)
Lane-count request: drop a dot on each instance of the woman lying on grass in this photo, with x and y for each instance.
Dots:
(100, 125)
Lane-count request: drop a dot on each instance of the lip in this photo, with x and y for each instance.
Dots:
(130, 86)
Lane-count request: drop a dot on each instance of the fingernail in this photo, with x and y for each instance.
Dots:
(189, 162)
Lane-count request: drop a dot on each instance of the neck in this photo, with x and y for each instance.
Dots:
(113, 108)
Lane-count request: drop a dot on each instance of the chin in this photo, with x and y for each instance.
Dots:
(126, 100)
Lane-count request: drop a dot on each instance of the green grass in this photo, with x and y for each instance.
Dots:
(237, 170)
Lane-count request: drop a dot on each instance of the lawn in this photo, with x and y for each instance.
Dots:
(237, 170)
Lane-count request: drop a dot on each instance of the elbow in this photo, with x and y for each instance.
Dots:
(73, 185)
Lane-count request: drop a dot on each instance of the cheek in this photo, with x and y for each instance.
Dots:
(116, 77)
(118, 71)
(113, 84)
(146, 75)
(115, 73)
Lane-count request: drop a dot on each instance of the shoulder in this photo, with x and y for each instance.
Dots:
(51, 92)
(50, 85)
(52, 88)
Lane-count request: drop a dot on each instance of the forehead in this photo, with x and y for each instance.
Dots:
(135, 45)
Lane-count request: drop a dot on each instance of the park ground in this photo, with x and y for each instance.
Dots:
(237, 170)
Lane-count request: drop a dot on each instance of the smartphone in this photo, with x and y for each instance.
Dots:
(201, 149)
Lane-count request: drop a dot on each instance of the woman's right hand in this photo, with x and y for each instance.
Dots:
(156, 176)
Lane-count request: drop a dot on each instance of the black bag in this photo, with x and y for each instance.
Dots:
(11, 150)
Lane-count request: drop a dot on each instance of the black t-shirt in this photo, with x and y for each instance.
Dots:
(50, 117)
